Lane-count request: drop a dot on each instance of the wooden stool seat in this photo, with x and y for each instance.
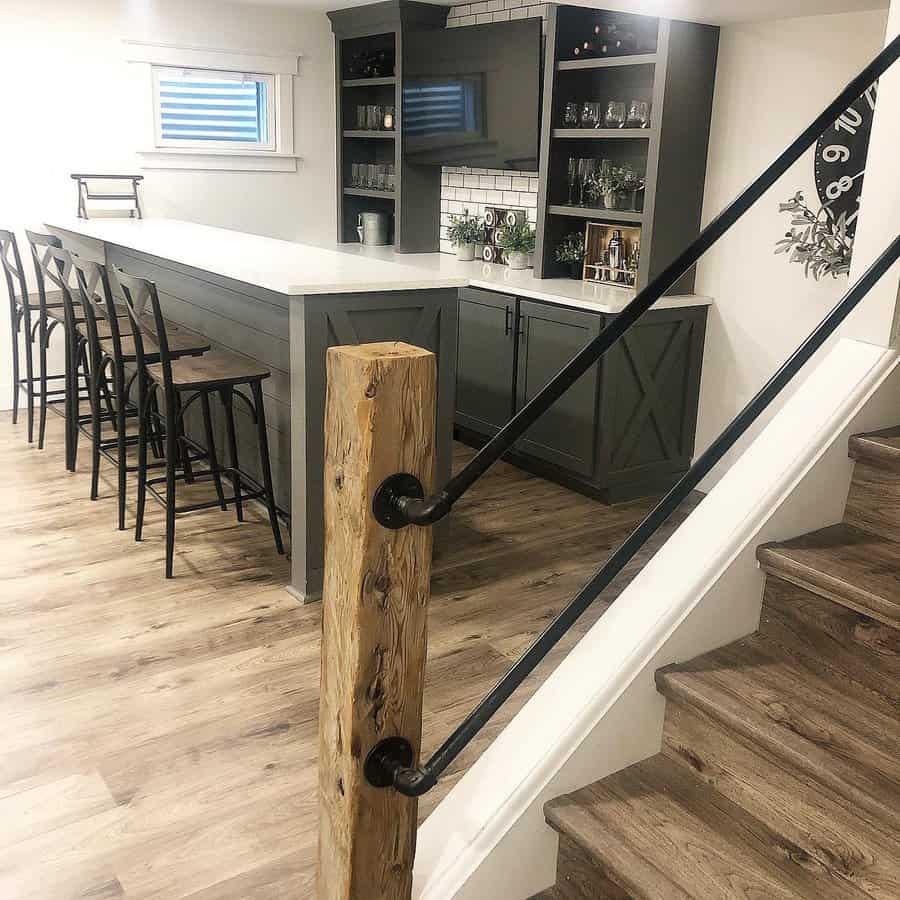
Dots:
(181, 343)
(212, 370)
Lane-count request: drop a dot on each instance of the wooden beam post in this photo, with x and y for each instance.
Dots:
(379, 420)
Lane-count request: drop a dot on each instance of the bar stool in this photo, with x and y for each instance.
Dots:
(39, 322)
(53, 266)
(218, 372)
(111, 345)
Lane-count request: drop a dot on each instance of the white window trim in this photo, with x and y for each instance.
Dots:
(144, 56)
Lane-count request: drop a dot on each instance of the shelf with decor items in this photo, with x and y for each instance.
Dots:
(659, 74)
(369, 62)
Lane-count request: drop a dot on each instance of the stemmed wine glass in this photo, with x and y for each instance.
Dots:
(589, 118)
(572, 178)
(586, 170)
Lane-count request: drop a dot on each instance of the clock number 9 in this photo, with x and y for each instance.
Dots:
(836, 153)
(841, 186)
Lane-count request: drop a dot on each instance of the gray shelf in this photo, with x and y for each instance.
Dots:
(587, 212)
(605, 62)
(602, 134)
(367, 82)
(377, 135)
(365, 192)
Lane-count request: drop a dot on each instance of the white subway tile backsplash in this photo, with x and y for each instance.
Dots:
(486, 181)
(501, 16)
(518, 13)
(463, 194)
(533, 185)
(484, 19)
(528, 200)
(470, 181)
(456, 180)
(495, 5)
(479, 196)
(476, 9)
(447, 247)
(511, 198)
(455, 207)
(502, 182)
(521, 184)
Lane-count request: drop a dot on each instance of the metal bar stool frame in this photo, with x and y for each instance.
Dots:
(21, 311)
(140, 292)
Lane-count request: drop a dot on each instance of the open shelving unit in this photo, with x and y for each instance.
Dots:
(672, 69)
(414, 204)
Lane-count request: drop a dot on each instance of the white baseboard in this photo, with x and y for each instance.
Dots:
(599, 711)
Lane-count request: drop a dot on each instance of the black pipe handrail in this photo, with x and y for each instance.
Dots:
(416, 781)
(400, 500)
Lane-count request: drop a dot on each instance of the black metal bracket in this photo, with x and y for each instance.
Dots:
(385, 759)
(400, 501)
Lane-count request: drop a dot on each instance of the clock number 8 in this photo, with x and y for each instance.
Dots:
(836, 153)
(841, 186)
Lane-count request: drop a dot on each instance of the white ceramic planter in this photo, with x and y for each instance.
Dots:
(517, 260)
(465, 252)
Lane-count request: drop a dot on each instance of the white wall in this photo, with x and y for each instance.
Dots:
(772, 79)
(66, 103)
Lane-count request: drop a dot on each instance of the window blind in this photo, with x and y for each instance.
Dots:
(207, 107)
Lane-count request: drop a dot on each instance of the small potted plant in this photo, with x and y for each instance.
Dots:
(610, 183)
(465, 232)
(570, 252)
(517, 241)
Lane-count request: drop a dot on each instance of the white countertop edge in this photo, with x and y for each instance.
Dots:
(274, 265)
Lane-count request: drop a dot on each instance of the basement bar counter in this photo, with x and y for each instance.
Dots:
(284, 303)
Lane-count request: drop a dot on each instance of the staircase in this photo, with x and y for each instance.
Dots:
(779, 775)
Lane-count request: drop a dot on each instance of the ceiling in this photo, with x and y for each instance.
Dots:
(719, 12)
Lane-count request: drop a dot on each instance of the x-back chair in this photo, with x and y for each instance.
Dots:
(182, 381)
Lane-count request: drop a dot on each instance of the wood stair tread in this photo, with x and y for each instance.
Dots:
(763, 695)
(844, 564)
(658, 831)
(878, 448)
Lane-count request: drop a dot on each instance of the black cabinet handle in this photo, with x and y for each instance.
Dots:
(508, 328)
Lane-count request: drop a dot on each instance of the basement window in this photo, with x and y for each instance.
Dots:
(207, 109)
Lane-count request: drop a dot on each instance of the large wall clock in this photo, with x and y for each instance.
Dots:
(840, 161)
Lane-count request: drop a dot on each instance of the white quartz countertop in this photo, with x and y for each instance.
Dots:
(284, 267)
(291, 268)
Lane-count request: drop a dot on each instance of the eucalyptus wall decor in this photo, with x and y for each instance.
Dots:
(822, 241)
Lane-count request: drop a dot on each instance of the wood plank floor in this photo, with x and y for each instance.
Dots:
(159, 737)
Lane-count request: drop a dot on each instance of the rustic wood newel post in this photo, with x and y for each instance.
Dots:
(379, 420)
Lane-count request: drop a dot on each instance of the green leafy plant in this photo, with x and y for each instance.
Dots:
(466, 229)
(570, 249)
(614, 180)
(816, 240)
(517, 238)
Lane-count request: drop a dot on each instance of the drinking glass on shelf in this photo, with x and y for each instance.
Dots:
(572, 179)
(571, 116)
(615, 114)
(586, 170)
(361, 118)
(389, 180)
(380, 176)
(638, 114)
(589, 115)
(373, 119)
(354, 176)
(371, 176)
